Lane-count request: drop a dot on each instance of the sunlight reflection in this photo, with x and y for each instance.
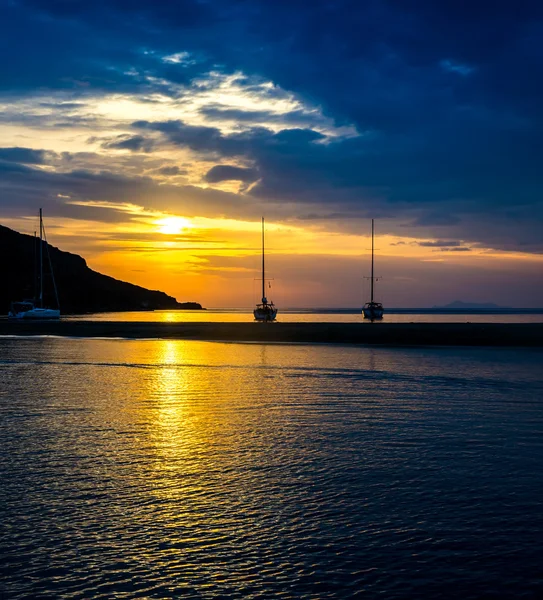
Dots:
(168, 389)
(179, 422)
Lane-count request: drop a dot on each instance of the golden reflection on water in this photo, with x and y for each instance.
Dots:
(172, 422)
(167, 385)
(285, 316)
(168, 468)
(204, 406)
(189, 431)
(178, 415)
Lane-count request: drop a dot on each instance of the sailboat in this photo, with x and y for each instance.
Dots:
(372, 310)
(35, 309)
(267, 310)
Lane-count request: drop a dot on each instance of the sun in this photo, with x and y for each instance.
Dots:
(173, 225)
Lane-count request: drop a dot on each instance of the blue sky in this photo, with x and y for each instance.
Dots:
(427, 116)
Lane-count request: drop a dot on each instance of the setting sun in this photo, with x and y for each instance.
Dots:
(173, 225)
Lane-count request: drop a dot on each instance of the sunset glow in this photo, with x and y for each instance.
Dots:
(173, 225)
(158, 167)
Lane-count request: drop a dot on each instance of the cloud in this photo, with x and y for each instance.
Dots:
(445, 245)
(134, 143)
(439, 244)
(296, 118)
(24, 155)
(101, 195)
(179, 58)
(435, 218)
(171, 171)
(230, 173)
(452, 67)
(199, 138)
(440, 145)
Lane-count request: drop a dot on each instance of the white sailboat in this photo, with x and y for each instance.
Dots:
(372, 310)
(266, 311)
(34, 309)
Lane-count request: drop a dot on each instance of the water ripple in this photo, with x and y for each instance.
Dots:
(167, 469)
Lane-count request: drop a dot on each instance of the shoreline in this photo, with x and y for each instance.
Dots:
(382, 334)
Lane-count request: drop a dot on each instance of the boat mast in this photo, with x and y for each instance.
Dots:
(35, 292)
(51, 268)
(263, 270)
(371, 299)
(41, 261)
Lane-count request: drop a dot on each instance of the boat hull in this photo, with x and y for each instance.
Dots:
(373, 311)
(36, 313)
(373, 315)
(266, 313)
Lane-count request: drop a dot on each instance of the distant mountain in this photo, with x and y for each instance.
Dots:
(458, 305)
(80, 289)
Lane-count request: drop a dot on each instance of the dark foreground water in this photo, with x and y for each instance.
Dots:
(175, 469)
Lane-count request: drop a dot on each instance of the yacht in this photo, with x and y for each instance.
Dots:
(266, 311)
(373, 310)
(35, 309)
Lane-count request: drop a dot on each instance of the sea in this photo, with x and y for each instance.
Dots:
(319, 315)
(187, 469)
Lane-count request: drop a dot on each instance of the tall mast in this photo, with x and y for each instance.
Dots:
(41, 261)
(51, 267)
(35, 292)
(263, 270)
(371, 299)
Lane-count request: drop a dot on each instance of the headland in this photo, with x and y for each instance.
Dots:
(81, 290)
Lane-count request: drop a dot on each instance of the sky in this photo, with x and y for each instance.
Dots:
(155, 135)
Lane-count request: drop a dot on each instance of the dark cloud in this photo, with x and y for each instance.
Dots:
(134, 143)
(372, 176)
(445, 246)
(24, 155)
(100, 195)
(294, 118)
(448, 98)
(230, 173)
(202, 139)
(171, 171)
(433, 219)
(63, 106)
(439, 244)
(9, 169)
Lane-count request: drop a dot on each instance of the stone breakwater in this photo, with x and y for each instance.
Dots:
(386, 334)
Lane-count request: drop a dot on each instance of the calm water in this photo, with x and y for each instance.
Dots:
(305, 316)
(169, 469)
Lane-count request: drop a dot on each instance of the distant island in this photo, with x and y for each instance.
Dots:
(458, 305)
(81, 290)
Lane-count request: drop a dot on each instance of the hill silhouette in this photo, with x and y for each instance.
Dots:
(80, 289)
